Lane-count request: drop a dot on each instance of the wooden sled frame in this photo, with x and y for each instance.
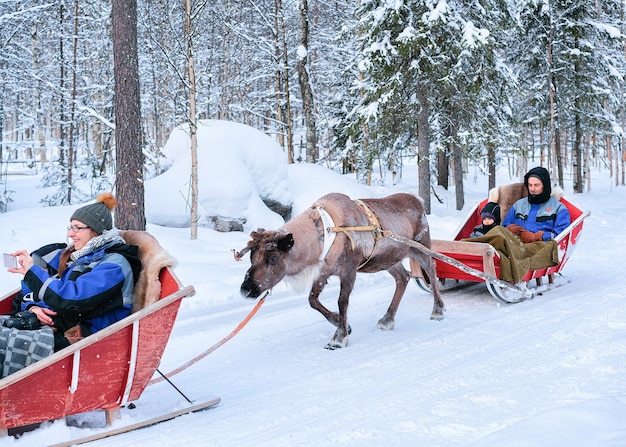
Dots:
(481, 262)
(102, 371)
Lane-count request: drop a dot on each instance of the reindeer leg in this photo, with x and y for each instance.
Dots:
(340, 339)
(428, 264)
(427, 267)
(314, 301)
(401, 276)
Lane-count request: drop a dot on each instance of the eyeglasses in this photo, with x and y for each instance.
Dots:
(75, 228)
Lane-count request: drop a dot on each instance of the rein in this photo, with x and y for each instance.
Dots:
(214, 347)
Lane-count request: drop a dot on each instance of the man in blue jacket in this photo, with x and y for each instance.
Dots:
(538, 217)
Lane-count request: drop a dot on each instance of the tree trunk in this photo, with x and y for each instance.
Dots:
(457, 157)
(558, 157)
(618, 158)
(578, 181)
(40, 148)
(623, 166)
(130, 212)
(62, 119)
(70, 150)
(423, 149)
(285, 73)
(443, 171)
(491, 165)
(586, 167)
(280, 104)
(312, 154)
(193, 123)
(1, 139)
(551, 96)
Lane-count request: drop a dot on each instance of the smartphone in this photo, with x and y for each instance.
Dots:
(10, 261)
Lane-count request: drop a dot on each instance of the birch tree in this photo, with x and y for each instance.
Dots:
(192, 119)
(312, 154)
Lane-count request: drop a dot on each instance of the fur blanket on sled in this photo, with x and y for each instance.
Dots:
(153, 259)
(516, 257)
(20, 348)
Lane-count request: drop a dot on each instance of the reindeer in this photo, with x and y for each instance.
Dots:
(338, 236)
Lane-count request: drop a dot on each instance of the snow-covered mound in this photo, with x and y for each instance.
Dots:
(239, 168)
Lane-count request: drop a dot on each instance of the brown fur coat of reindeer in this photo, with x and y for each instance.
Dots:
(340, 237)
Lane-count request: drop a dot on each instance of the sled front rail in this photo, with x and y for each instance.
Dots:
(102, 371)
(475, 255)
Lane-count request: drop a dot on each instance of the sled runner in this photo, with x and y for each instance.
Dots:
(461, 262)
(105, 370)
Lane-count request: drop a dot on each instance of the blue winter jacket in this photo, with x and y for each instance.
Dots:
(96, 289)
(551, 217)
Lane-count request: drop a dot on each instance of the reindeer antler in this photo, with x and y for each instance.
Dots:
(255, 235)
(238, 255)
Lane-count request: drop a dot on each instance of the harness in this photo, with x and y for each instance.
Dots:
(328, 226)
(330, 230)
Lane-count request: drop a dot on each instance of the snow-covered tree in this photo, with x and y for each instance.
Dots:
(424, 66)
(570, 60)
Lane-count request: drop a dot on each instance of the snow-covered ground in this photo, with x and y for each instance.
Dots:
(546, 372)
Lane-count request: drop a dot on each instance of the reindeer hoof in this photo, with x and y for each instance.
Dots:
(437, 313)
(335, 344)
(386, 325)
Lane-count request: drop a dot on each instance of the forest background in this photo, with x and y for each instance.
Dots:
(356, 85)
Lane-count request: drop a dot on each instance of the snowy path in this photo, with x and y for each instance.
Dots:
(546, 372)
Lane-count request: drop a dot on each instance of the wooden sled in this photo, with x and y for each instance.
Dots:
(459, 262)
(105, 370)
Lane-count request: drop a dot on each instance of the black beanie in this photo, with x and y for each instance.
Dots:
(97, 216)
(542, 174)
(491, 209)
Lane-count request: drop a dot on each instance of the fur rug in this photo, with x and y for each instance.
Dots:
(153, 259)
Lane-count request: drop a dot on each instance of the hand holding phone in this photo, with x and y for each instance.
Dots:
(10, 261)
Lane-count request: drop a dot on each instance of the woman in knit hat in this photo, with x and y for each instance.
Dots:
(86, 285)
(538, 217)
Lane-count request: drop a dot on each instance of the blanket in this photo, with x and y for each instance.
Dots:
(516, 257)
(20, 348)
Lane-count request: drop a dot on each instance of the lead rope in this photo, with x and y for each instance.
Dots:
(212, 348)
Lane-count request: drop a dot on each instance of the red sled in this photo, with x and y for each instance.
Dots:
(462, 262)
(105, 370)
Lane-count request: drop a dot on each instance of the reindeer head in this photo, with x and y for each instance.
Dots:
(269, 252)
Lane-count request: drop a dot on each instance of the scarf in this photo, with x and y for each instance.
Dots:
(96, 243)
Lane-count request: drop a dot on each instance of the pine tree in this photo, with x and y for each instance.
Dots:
(569, 56)
(424, 67)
